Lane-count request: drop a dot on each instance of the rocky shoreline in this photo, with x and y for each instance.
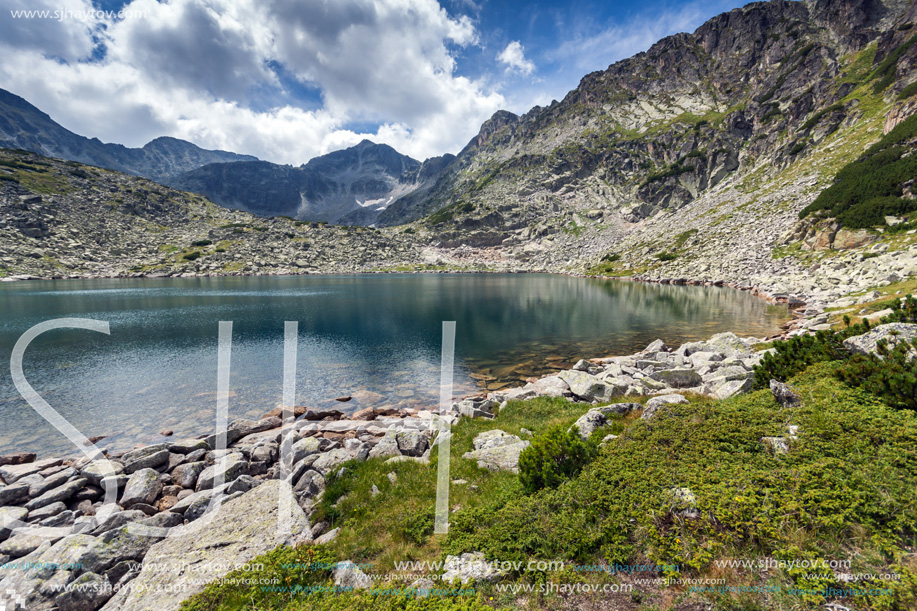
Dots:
(98, 523)
(80, 512)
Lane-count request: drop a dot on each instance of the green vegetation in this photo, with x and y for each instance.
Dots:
(201, 243)
(554, 457)
(890, 375)
(908, 91)
(667, 256)
(813, 121)
(885, 71)
(870, 188)
(192, 256)
(294, 571)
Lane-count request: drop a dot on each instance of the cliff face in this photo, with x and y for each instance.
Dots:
(758, 87)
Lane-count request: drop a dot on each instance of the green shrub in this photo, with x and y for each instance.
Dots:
(890, 374)
(419, 527)
(554, 457)
(667, 256)
(611, 257)
(192, 256)
(908, 91)
(201, 243)
(866, 190)
(798, 147)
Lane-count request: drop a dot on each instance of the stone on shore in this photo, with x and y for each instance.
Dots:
(470, 567)
(588, 387)
(143, 486)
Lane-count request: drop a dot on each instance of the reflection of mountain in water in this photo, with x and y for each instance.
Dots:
(377, 337)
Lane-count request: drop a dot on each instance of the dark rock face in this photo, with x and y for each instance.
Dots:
(25, 127)
(348, 187)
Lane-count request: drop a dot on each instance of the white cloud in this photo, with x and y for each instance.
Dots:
(192, 68)
(514, 58)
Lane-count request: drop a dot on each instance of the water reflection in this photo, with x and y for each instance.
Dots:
(373, 337)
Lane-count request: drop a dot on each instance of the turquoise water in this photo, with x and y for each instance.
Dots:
(375, 337)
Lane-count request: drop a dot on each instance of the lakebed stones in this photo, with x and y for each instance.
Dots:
(239, 531)
(497, 450)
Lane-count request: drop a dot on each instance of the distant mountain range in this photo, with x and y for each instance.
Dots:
(23, 126)
(348, 187)
(351, 186)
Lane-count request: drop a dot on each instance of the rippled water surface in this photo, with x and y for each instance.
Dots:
(374, 337)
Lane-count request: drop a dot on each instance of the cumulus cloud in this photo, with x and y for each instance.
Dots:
(514, 58)
(188, 68)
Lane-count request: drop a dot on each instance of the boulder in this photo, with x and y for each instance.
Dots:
(61, 493)
(187, 446)
(497, 451)
(10, 474)
(310, 484)
(349, 576)
(143, 486)
(597, 417)
(412, 442)
(146, 458)
(733, 388)
(226, 469)
(87, 592)
(470, 567)
(784, 395)
(240, 530)
(678, 378)
(777, 445)
(186, 475)
(9, 519)
(17, 458)
(588, 387)
(98, 470)
(14, 493)
(654, 405)
(893, 333)
(387, 446)
(330, 460)
(549, 386)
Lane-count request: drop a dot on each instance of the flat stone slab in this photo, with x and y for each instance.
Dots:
(241, 530)
(13, 473)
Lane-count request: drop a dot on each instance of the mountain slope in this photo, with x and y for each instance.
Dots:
(757, 88)
(349, 187)
(23, 126)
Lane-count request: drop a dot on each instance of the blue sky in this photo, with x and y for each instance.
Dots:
(290, 79)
